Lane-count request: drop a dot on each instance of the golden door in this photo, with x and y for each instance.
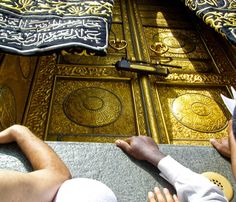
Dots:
(81, 97)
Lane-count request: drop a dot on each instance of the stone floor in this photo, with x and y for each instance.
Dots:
(128, 178)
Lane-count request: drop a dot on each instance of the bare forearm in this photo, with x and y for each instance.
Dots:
(233, 162)
(39, 153)
(49, 170)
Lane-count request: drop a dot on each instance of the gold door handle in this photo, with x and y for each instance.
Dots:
(159, 48)
(118, 44)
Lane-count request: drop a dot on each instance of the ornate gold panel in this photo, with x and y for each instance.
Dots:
(100, 107)
(156, 12)
(178, 48)
(58, 107)
(213, 44)
(159, 16)
(16, 74)
(176, 43)
(79, 97)
(191, 113)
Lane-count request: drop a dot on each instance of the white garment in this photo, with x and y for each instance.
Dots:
(190, 186)
(84, 190)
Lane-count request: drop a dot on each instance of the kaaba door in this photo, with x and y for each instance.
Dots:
(80, 97)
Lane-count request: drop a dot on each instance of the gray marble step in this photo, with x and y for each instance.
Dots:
(129, 179)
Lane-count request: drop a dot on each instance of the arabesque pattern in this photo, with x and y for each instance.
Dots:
(221, 15)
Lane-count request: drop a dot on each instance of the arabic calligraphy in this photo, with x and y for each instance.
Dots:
(51, 32)
(220, 15)
(28, 26)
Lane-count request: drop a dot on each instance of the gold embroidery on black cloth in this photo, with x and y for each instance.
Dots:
(65, 8)
(28, 27)
(221, 15)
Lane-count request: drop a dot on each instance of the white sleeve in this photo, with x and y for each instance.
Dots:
(190, 186)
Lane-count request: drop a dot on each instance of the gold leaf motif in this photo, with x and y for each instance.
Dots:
(25, 4)
(75, 10)
(232, 4)
(218, 19)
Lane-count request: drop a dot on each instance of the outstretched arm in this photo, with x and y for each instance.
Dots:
(49, 170)
(189, 185)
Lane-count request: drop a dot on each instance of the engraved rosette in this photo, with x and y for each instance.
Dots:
(92, 107)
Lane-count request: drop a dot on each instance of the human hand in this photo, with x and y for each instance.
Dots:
(9, 135)
(6, 136)
(167, 197)
(141, 148)
(222, 146)
(227, 147)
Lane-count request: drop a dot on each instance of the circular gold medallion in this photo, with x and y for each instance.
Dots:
(199, 112)
(178, 43)
(92, 107)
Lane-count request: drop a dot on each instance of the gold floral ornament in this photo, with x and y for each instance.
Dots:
(96, 8)
(25, 4)
(59, 7)
(232, 4)
(217, 20)
(194, 4)
(76, 10)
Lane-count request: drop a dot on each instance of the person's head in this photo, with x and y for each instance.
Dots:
(84, 190)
